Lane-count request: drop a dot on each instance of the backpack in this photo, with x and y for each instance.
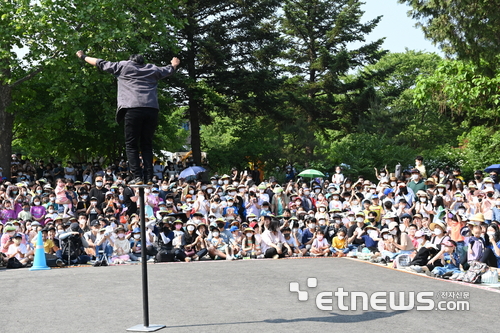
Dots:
(72, 247)
(14, 263)
(476, 269)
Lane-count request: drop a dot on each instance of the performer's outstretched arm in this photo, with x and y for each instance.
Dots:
(90, 60)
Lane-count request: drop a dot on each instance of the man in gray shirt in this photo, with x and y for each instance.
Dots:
(137, 106)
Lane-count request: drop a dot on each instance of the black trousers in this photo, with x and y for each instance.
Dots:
(140, 126)
(271, 252)
(489, 258)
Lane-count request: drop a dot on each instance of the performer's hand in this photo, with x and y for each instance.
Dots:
(79, 53)
(175, 62)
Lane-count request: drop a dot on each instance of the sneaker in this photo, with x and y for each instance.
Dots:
(188, 259)
(136, 181)
(325, 255)
(149, 181)
(104, 262)
(300, 254)
(417, 269)
(59, 263)
(96, 264)
(276, 256)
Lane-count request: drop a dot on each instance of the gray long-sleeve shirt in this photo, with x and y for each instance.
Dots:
(137, 84)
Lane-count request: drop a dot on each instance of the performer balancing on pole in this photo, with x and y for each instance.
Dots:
(137, 106)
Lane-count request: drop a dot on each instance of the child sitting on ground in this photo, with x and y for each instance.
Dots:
(221, 248)
(339, 245)
(249, 245)
(320, 246)
(449, 259)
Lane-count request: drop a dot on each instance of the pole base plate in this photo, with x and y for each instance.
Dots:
(142, 328)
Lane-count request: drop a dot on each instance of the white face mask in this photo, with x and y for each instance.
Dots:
(307, 192)
(322, 222)
(414, 177)
(312, 225)
(394, 231)
(386, 236)
(317, 190)
(340, 237)
(423, 199)
(438, 231)
(98, 184)
(490, 233)
(209, 191)
(372, 233)
(201, 197)
(121, 235)
(164, 187)
(137, 236)
(335, 197)
(249, 234)
(393, 184)
(190, 227)
(320, 238)
(226, 182)
(37, 203)
(215, 234)
(347, 185)
(191, 191)
(359, 219)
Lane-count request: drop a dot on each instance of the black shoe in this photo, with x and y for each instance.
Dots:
(104, 262)
(149, 181)
(136, 181)
(59, 263)
(97, 263)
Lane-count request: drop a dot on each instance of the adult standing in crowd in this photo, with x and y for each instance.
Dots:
(137, 106)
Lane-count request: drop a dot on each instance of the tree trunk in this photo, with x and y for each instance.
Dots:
(6, 125)
(194, 106)
(194, 119)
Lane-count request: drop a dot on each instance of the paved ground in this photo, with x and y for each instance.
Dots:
(240, 296)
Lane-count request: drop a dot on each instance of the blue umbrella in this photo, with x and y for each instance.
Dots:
(191, 171)
(493, 167)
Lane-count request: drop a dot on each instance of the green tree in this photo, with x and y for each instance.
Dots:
(320, 35)
(49, 32)
(227, 51)
(467, 28)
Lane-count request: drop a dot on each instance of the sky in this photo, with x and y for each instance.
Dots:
(396, 26)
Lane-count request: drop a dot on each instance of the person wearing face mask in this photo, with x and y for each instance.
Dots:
(382, 175)
(417, 183)
(201, 204)
(19, 251)
(7, 213)
(429, 249)
(487, 204)
(99, 191)
(25, 214)
(478, 179)
(339, 247)
(38, 211)
(401, 241)
(406, 193)
(491, 255)
(338, 177)
(121, 247)
(423, 205)
(386, 248)
(307, 201)
(308, 235)
(370, 238)
(5, 240)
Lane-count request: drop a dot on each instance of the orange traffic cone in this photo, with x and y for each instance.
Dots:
(40, 262)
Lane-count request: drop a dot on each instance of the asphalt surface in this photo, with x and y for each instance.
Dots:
(224, 296)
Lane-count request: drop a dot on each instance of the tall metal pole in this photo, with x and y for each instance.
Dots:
(144, 262)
